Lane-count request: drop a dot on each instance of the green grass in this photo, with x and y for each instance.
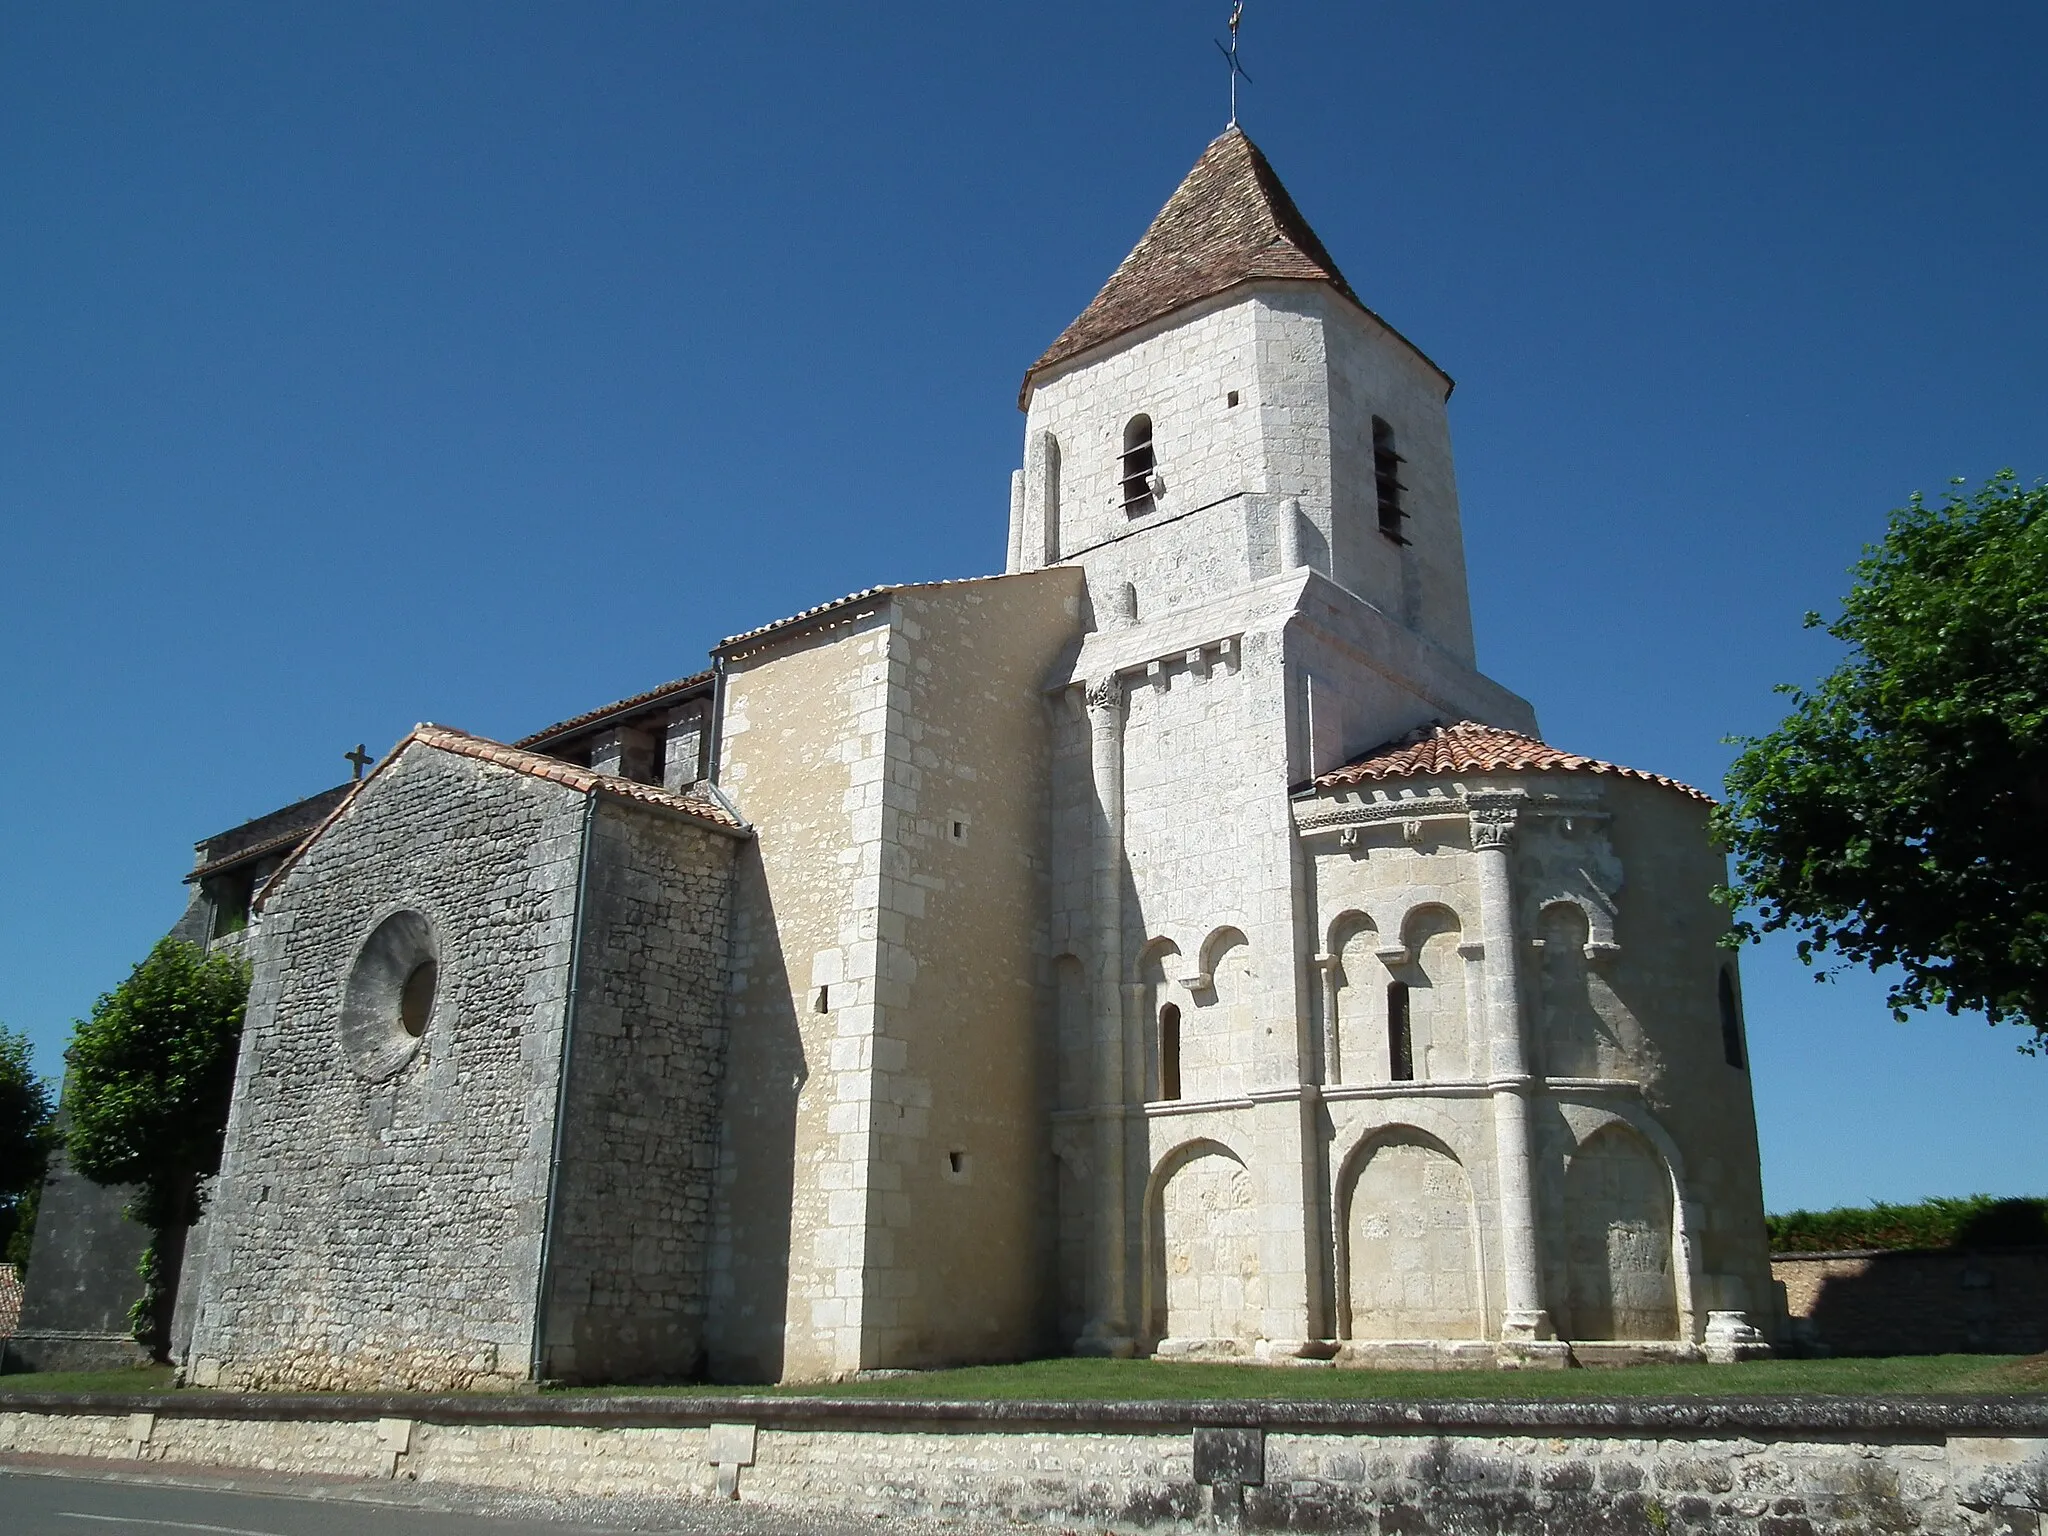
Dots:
(1127, 1380)
(1110, 1380)
(145, 1378)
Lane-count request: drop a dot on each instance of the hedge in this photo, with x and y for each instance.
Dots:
(1974, 1221)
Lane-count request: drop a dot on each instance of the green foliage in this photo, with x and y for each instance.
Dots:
(1898, 816)
(146, 1102)
(1975, 1221)
(25, 1140)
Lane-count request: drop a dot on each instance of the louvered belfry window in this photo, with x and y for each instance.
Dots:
(1138, 464)
(1386, 478)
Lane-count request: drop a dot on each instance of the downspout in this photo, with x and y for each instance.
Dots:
(717, 720)
(541, 1289)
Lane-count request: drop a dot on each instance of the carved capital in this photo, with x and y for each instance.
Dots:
(1106, 693)
(1493, 818)
(1493, 827)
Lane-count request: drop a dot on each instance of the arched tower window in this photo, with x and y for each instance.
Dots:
(1731, 1022)
(1400, 1034)
(1386, 478)
(1137, 466)
(1169, 1051)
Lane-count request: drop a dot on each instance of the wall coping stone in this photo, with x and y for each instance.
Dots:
(1796, 1256)
(1789, 1414)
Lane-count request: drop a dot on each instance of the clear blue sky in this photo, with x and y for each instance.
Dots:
(482, 363)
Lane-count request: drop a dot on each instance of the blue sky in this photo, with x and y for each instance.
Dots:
(480, 363)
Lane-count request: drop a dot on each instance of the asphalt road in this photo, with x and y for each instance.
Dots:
(77, 1506)
(74, 1503)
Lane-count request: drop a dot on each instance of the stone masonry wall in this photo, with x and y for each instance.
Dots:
(626, 1294)
(386, 1233)
(1959, 1468)
(1870, 1303)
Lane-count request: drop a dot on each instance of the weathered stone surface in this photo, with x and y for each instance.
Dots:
(1762, 1466)
(382, 1214)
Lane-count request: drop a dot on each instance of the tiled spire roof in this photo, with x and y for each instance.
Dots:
(1229, 222)
(1469, 747)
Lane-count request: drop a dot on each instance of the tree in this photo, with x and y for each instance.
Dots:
(24, 1145)
(146, 1101)
(1898, 816)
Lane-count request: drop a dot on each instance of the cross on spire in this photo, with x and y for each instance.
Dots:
(360, 758)
(1230, 53)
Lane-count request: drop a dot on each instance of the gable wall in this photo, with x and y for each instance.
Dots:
(387, 1234)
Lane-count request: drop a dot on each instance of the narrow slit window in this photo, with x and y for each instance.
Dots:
(1169, 1052)
(1386, 478)
(1138, 464)
(1400, 1034)
(1731, 1022)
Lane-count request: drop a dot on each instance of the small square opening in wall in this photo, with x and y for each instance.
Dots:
(1230, 399)
(822, 1003)
(957, 1167)
(957, 830)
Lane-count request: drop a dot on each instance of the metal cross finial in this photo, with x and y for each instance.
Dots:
(1230, 53)
(360, 758)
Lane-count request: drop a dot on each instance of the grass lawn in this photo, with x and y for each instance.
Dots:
(1109, 1380)
(1105, 1380)
(147, 1378)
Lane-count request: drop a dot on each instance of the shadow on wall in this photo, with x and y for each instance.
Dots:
(764, 1074)
(1987, 1295)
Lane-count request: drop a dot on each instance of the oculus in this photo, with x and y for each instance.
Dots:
(388, 1002)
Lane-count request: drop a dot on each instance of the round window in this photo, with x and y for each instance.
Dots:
(388, 1002)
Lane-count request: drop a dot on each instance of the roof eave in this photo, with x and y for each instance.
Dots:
(1044, 371)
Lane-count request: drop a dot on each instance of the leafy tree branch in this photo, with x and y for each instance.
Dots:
(1898, 815)
(146, 1100)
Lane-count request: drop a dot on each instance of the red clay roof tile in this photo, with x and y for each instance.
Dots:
(1469, 747)
(699, 804)
(1229, 222)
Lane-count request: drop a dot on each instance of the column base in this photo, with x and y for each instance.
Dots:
(1731, 1338)
(1295, 1351)
(1533, 1355)
(1526, 1325)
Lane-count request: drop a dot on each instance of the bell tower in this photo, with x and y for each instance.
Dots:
(1225, 369)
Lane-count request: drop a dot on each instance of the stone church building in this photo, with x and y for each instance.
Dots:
(1171, 945)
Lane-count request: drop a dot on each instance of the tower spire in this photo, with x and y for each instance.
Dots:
(1230, 53)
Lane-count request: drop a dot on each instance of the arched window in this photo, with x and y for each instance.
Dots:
(1400, 1034)
(1731, 1022)
(1137, 466)
(1169, 1051)
(1386, 478)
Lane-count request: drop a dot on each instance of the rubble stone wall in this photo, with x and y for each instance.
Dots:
(1966, 1467)
(627, 1290)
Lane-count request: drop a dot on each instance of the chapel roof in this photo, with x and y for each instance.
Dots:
(674, 692)
(1229, 222)
(284, 828)
(702, 804)
(1469, 747)
(822, 611)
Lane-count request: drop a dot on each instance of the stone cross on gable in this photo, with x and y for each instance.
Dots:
(360, 758)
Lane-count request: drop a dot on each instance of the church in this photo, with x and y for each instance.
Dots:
(1173, 946)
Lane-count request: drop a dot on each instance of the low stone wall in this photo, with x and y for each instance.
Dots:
(1874, 1302)
(1772, 1466)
